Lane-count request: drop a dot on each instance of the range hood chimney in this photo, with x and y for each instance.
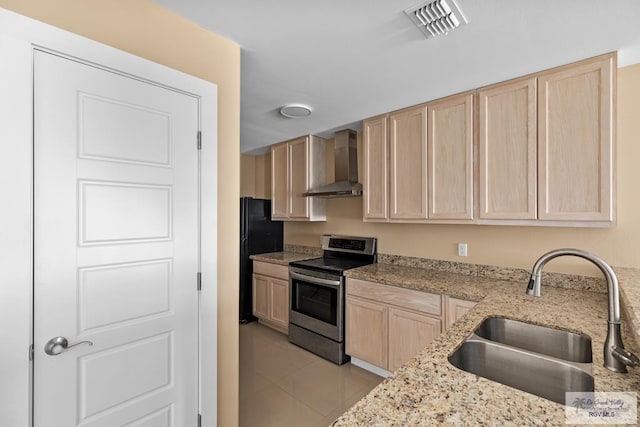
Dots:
(346, 168)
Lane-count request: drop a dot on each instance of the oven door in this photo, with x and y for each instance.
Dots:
(317, 302)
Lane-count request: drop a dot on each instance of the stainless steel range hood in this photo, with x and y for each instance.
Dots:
(346, 169)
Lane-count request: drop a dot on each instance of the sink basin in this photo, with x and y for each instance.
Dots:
(537, 374)
(539, 339)
(543, 361)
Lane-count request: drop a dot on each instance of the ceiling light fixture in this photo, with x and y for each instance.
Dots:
(436, 17)
(296, 111)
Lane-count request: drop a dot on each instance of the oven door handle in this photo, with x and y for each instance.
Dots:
(316, 280)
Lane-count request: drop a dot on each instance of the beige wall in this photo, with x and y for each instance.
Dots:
(248, 175)
(511, 246)
(263, 176)
(147, 30)
(255, 176)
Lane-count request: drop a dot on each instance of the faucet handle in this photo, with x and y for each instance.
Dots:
(533, 288)
(625, 356)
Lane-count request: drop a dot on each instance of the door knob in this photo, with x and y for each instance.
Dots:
(57, 345)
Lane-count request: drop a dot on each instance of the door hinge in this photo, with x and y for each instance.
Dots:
(199, 420)
(31, 352)
(199, 279)
(199, 140)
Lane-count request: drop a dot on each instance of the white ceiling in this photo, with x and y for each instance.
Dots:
(353, 59)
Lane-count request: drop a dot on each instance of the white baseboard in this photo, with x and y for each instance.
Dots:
(369, 367)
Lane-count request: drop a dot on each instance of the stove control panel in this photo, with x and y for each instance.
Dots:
(354, 245)
(359, 245)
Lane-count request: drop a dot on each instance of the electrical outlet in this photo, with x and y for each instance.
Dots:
(462, 249)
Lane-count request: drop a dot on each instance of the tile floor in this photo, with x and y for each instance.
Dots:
(283, 385)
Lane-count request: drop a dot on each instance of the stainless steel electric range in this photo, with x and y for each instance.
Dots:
(316, 309)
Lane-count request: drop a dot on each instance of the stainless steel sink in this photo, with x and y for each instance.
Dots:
(540, 339)
(534, 373)
(543, 361)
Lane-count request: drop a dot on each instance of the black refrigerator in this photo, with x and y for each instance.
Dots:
(258, 235)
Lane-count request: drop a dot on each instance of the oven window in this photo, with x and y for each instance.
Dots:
(315, 301)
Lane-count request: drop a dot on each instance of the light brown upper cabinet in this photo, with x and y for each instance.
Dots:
(546, 147)
(280, 181)
(375, 149)
(576, 141)
(450, 158)
(408, 164)
(507, 150)
(428, 153)
(297, 166)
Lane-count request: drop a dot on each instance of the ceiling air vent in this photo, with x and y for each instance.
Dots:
(437, 17)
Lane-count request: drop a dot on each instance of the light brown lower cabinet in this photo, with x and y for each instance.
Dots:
(279, 303)
(366, 331)
(386, 325)
(456, 308)
(408, 334)
(260, 285)
(270, 285)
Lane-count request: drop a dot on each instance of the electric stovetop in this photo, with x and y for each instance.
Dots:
(334, 265)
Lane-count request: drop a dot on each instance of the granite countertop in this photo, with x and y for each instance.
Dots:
(281, 258)
(428, 390)
(630, 296)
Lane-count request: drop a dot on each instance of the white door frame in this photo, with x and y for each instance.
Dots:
(18, 36)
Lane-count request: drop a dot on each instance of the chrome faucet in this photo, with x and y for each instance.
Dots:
(616, 358)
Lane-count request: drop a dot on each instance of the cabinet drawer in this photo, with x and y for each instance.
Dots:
(271, 270)
(408, 298)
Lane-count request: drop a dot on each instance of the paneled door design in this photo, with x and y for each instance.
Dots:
(116, 226)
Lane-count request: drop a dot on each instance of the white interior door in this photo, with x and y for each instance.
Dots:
(116, 248)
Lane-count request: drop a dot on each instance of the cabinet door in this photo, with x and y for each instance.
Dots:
(408, 334)
(375, 169)
(408, 164)
(317, 174)
(279, 181)
(575, 141)
(366, 331)
(279, 302)
(260, 287)
(508, 144)
(299, 178)
(456, 308)
(450, 154)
